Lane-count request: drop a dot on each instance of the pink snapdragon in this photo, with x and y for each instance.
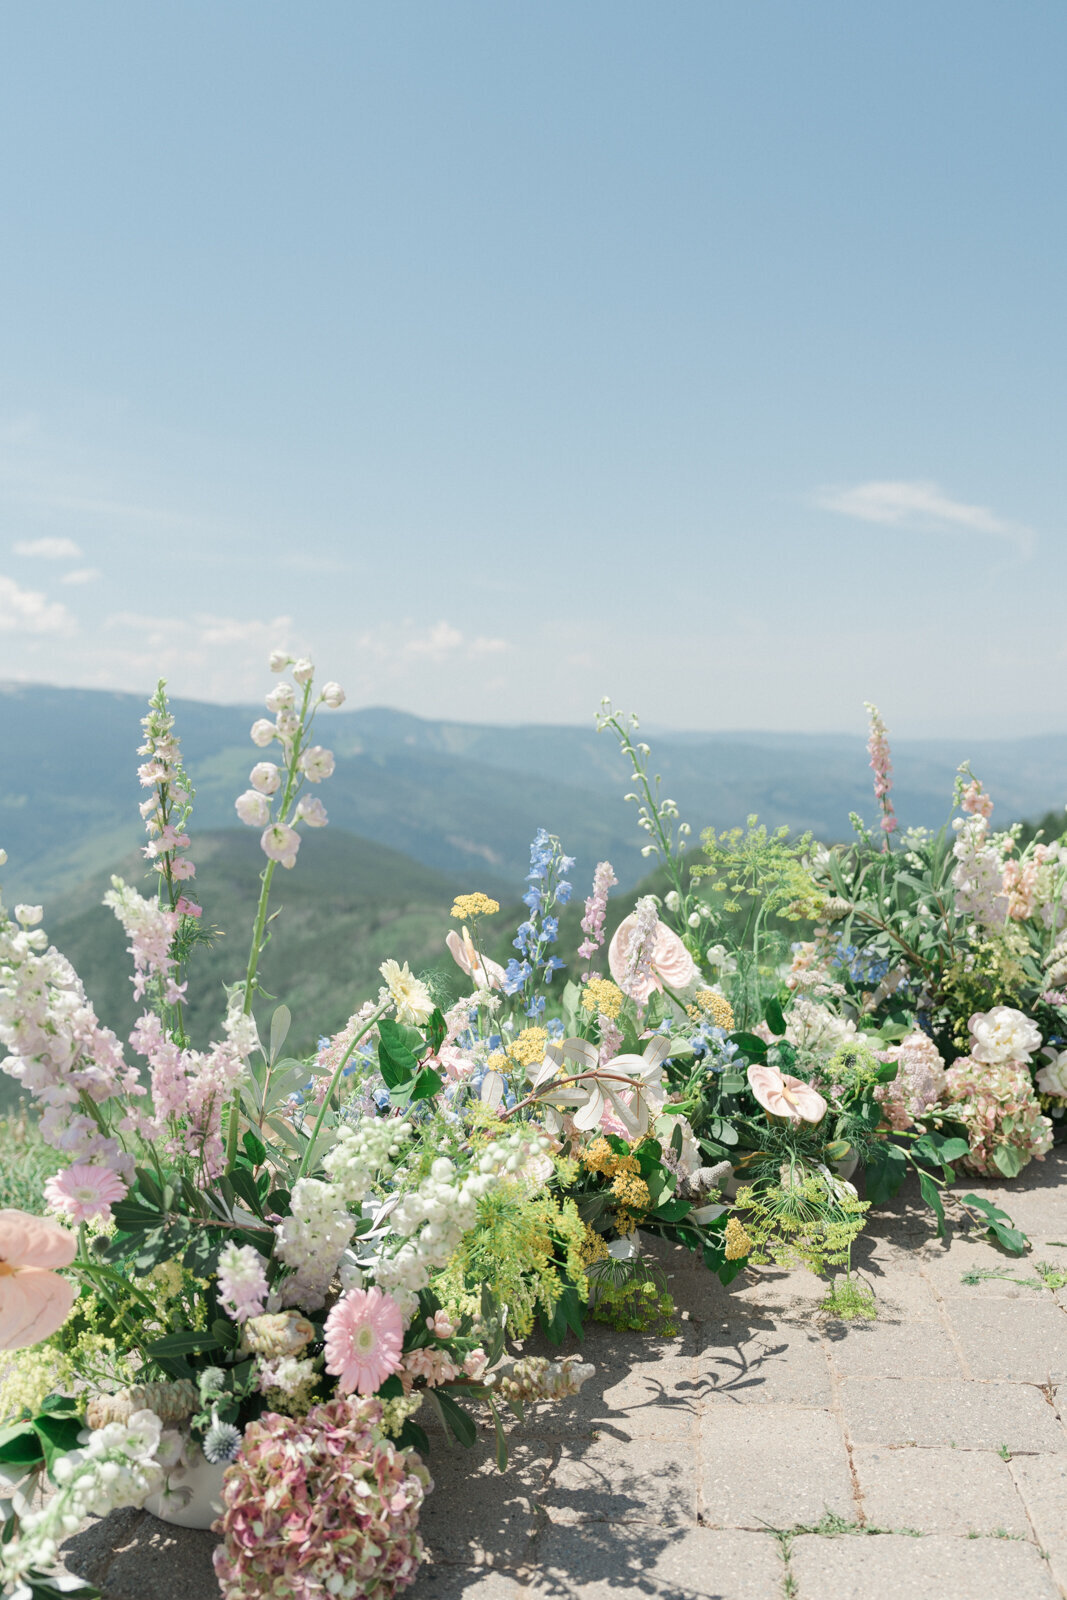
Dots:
(882, 767)
(604, 880)
(168, 810)
(150, 928)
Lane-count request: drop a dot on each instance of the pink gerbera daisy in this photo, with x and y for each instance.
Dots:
(84, 1192)
(364, 1334)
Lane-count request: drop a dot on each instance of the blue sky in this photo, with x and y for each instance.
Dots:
(506, 355)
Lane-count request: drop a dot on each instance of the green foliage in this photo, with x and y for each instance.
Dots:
(803, 1220)
(26, 1162)
(632, 1296)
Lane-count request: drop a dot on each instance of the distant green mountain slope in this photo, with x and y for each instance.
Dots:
(461, 798)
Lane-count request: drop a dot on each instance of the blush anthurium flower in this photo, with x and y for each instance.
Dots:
(670, 962)
(34, 1299)
(486, 974)
(364, 1334)
(785, 1096)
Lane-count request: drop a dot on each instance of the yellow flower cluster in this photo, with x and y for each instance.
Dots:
(469, 906)
(598, 1156)
(631, 1190)
(603, 996)
(738, 1243)
(593, 1247)
(498, 1062)
(528, 1049)
(28, 1376)
(713, 1005)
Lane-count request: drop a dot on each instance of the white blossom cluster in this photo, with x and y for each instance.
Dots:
(364, 1155)
(121, 1465)
(312, 1240)
(978, 875)
(57, 1047)
(433, 1217)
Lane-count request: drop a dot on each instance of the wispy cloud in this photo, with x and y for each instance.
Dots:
(443, 641)
(29, 611)
(81, 575)
(924, 506)
(48, 549)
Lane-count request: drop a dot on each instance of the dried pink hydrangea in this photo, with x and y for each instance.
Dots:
(997, 1106)
(919, 1082)
(320, 1505)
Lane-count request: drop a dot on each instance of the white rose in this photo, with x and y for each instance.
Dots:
(316, 763)
(281, 698)
(1052, 1078)
(303, 671)
(1003, 1034)
(333, 695)
(253, 809)
(265, 777)
(262, 732)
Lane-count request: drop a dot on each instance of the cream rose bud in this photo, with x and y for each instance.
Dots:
(303, 671)
(333, 695)
(281, 698)
(313, 812)
(29, 916)
(253, 809)
(265, 777)
(279, 660)
(316, 763)
(262, 732)
(280, 843)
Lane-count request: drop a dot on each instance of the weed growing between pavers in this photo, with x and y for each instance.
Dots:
(830, 1526)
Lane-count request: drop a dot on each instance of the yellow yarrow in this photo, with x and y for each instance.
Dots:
(631, 1191)
(529, 1048)
(713, 1005)
(593, 1247)
(738, 1243)
(603, 996)
(469, 906)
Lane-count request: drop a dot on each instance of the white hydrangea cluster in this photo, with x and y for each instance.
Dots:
(121, 1465)
(364, 1154)
(312, 1241)
(432, 1218)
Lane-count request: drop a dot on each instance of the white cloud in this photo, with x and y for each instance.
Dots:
(921, 505)
(29, 611)
(443, 642)
(81, 575)
(48, 549)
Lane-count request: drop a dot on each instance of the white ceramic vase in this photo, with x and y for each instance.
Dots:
(192, 1497)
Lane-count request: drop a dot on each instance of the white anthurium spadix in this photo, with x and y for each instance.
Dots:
(632, 1084)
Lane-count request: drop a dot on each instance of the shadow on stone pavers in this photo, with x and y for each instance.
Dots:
(134, 1556)
(597, 1559)
(477, 1515)
(640, 1385)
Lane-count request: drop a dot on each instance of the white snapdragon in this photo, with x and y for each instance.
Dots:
(312, 811)
(262, 732)
(280, 843)
(265, 777)
(316, 763)
(281, 698)
(252, 808)
(364, 1154)
(332, 695)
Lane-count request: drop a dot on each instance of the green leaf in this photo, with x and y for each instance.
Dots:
(501, 1438)
(20, 1446)
(887, 1071)
(772, 1013)
(1010, 1238)
(279, 1027)
(731, 1082)
(887, 1167)
(1009, 1159)
(133, 1217)
(254, 1147)
(672, 1211)
(225, 1332)
(397, 1061)
(457, 1420)
(426, 1085)
(932, 1195)
(436, 1029)
(750, 1045)
(57, 1436)
(186, 1343)
(722, 1132)
(245, 1187)
(43, 1587)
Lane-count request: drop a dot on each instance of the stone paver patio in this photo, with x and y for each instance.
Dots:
(767, 1451)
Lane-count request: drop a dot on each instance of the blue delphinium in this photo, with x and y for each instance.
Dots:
(548, 888)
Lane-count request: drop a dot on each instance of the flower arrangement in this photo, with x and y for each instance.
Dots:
(267, 1266)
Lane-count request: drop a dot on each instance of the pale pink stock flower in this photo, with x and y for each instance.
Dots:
(253, 809)
(486, 974)
(316, 763)
(312, 811)
(280, 843)
(364, 1335)
(975, 801)
(432, 1365)
(604, 880)
(645, 954)
(441, 1325)
(785, 1096)
(475, 1363)
(265, 777)
(262, 732)
(242, 1281)
(34, 1299)
(882, 766)
(84, 1192)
